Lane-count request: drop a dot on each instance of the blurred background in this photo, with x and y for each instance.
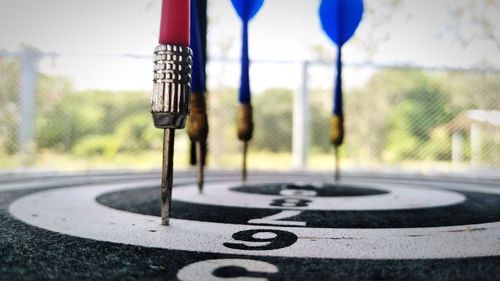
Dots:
(422, 87)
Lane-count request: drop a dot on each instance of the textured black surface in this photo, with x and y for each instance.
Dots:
(30, 253)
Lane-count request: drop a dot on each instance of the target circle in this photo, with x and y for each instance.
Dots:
(74, 211)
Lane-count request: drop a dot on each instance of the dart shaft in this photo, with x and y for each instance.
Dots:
(174, 23)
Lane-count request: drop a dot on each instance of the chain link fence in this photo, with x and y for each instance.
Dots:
(412, 118)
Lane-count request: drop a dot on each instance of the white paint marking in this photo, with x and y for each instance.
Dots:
(74, 211)
(277, 219)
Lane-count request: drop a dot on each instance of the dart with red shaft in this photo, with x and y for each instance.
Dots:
(171, 88)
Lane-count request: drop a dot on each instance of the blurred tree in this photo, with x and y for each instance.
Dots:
(319, 120)
(472, 90)
(82, 114)
(97, 146)
(137, 134)
(394, 115)
(221, 106)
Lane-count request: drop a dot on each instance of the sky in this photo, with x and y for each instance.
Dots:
(91, 35)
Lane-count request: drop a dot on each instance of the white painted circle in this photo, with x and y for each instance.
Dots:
(74, 211)
(398, 197)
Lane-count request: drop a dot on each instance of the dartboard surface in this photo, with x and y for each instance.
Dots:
(276, 226)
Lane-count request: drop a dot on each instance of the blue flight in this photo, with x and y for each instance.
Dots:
(246, 10)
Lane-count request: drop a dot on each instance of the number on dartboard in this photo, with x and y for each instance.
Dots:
(277, 219)
(290, 202)
(227, 269)
(262, 239)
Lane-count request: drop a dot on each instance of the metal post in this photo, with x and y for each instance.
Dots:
(29, 61)
(475, 144)
(457, 147)
(301, 121)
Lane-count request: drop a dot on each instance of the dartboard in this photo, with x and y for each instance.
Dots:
(276, 226)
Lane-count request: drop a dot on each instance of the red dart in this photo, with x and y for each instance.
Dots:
(171, 88)
(174, 24)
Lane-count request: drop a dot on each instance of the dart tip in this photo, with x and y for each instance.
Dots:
(167, 174)
(200, 176)
(337, 164)
(244, 166)
(199, 167)
(200, 187)
(243, 176)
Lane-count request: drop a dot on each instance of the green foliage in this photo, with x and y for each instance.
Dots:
(9, 110)
(133, 135)
(319, 124)
(136, 134)
(471, 90)
(490, 152)
(400, 141)
(221, 106)
(411, 121)
(393, 117)
(105, 146)
(438, 147)
(396, 117)
(273, 113)
(68, 122)
(83, 114)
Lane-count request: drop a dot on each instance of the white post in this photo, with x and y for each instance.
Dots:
(457, 147)
(29, 61)
(475, 144)
(301, 122)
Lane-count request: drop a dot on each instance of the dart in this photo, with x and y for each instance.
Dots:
(339, 20)
(172, 87)
(197, 123)
(246, 10)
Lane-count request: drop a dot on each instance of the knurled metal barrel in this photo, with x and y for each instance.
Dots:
(172, 86)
